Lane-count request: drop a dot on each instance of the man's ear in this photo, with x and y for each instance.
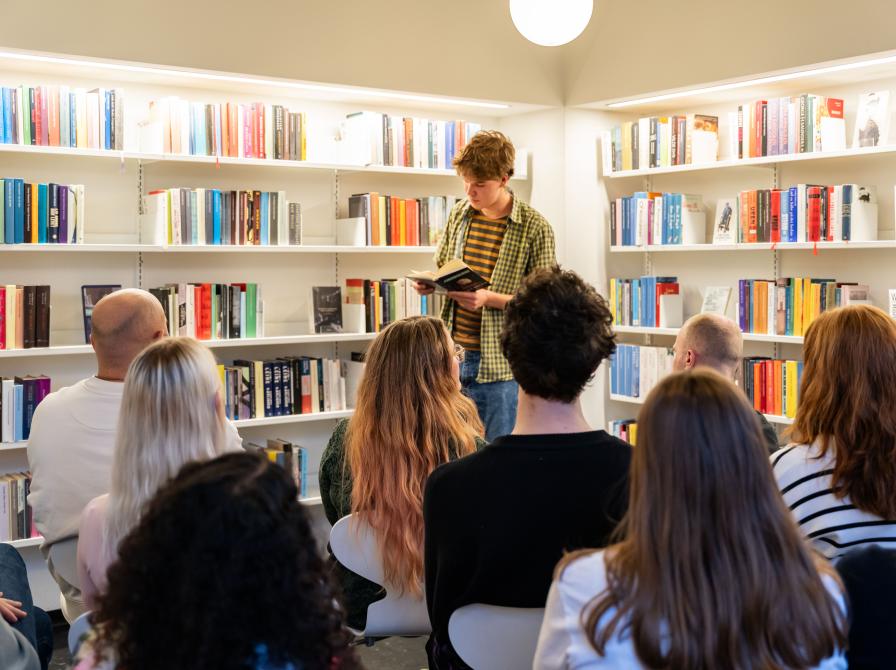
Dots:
(690, 359)
(505, 179)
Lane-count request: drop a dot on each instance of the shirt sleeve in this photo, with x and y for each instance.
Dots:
(553, 639)
(331, 466)
(90, 546)
(542, 249)
(232, 439)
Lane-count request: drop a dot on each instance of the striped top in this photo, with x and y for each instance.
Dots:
(480, 253)
(833, 524)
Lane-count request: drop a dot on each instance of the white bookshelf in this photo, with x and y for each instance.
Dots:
(819, 247)
(771, 418)
(704, 265)
(117, 181)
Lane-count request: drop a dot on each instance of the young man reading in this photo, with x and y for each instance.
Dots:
(497, 521)
(503, 239)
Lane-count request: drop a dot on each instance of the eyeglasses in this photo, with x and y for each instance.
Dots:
(459, 353)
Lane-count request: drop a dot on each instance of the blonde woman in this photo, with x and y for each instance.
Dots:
(171, 414)
(411, 417)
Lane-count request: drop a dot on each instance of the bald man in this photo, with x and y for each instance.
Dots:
(712, 341)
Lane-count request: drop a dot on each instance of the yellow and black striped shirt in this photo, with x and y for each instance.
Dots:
(481, 253)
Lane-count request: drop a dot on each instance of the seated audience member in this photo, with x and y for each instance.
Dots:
(221, 573)
(712, 341)
(171, 414)
(712, 571)
(869, 575)
(73, 430)
(498, 521)
(26, 633)
(839, 478)
(410, 418)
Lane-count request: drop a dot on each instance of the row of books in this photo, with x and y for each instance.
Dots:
(19, 397)
(41, 213)
(657, 218)
(790, 125)
(624, 429)
(16, 517)
(24, 316)
(61, 116)
(212, 311)
(653, 302)
(383, 139)
(771, 385)
(388, 300)
(394, 221)
(662, 141)
(253, 130)
(787, 306)
(634, 369)
(291, 457)
(286, 386)
(186, 216)
(808, 213)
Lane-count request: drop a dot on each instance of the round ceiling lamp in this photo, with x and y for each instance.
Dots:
(551, 23)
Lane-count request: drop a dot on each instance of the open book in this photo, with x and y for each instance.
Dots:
(455, 275)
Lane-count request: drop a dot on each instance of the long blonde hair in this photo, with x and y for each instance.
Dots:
(411, 417)
(170, 415)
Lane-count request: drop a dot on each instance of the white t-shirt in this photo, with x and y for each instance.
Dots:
(562, 642)
(70, 453)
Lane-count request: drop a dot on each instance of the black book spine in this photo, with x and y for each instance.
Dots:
(53, 213)
(29, 316)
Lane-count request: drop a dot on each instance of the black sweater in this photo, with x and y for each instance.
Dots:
(498, 521)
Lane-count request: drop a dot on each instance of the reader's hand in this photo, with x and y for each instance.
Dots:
(471, 300)
(423, 289)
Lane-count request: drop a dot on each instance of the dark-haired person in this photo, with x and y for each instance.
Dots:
(221, 573)
(712, 571)
(839, 478)
(497, 521)
(503, 239)
(712, 341)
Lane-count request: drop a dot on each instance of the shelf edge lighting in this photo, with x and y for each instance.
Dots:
(758, 81)
(241, 79)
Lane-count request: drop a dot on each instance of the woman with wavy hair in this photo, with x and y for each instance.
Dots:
(171, 413)
(839, 478)
(411, 417)
(711, 572)
(221, 573)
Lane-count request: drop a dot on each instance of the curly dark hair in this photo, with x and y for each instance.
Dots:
(222, 573)
(557, 330)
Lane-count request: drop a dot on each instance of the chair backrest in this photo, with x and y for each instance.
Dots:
(354, 545)
(76, 631)
(64, 557)
(488, 637)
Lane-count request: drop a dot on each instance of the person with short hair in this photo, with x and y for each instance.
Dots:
(503, 239)
(222, 572)
(711, 571)
(172, 413)
(73, 429)
(410, 418)
(497, 521)
(838, 476)
(712, 341)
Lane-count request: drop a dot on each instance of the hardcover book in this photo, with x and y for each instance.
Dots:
(455, 275)
(326, 309)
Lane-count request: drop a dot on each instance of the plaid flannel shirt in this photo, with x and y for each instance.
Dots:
(528, 244)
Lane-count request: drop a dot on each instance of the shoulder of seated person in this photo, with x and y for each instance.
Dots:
(586, 570)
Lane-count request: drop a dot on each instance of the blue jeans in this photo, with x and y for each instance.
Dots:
(496, 401)
(36, 627)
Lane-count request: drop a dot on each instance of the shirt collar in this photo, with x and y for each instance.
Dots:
(516, 210)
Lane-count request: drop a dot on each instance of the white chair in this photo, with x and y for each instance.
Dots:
(62, 560)
(77, 630)
(354, 546)
(488, 637)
